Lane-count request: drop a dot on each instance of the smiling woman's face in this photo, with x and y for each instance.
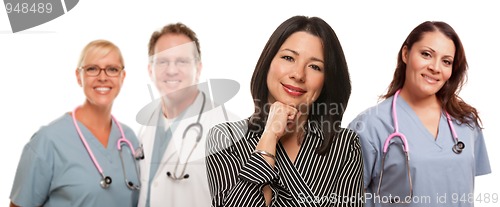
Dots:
(429, 64)
(101, 90)
(296, 74)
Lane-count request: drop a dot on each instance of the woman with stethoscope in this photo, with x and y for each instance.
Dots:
(85, 157)
(423, 145)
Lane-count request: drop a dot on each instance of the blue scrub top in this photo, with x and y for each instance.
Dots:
(56, 170)
(440, 177)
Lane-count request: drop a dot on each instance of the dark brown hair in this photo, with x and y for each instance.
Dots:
(177, 28)
(336, 88)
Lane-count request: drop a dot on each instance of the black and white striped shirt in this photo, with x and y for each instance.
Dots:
(236, 176)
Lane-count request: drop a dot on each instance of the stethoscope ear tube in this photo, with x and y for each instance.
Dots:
(457, 148)
(198, 125)
(106, 180)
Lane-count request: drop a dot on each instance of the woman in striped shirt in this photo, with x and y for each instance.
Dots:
(292, 150)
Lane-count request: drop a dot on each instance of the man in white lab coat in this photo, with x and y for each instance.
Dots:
(173, 172)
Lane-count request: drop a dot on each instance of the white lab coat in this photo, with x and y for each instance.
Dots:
(193, 191)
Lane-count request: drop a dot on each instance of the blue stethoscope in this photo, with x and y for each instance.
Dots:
(136, 154)
(195, 125)
(457, 148)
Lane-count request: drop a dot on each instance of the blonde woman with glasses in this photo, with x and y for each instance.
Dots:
(85, 157)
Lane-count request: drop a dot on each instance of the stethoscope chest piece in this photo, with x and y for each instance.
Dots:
(106, 181)
(458, 147)
(139, 153)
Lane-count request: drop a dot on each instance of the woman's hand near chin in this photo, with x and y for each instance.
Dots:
(281, 119)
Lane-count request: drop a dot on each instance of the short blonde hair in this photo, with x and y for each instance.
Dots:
(102, 47)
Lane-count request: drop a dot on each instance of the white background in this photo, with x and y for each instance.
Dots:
(38, 84)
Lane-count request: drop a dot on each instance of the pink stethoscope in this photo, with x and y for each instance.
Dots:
(457, 148)
(136, 154)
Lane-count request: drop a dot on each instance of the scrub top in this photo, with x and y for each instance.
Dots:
(440, 177)
(56, 170)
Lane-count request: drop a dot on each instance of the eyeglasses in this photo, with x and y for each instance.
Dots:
(94, 70)
(179, 63)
